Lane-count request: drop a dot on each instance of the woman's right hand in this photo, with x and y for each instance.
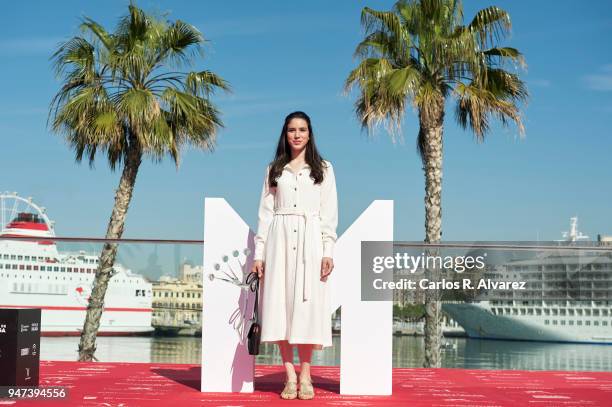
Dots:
(258, 267)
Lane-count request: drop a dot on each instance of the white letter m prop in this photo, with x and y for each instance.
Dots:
(366, 333)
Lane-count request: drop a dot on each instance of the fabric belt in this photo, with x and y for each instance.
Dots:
(308, 252)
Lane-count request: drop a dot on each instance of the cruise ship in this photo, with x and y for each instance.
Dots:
(543, 314)
(35, 274)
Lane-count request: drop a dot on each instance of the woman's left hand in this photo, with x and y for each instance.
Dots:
(327, 265)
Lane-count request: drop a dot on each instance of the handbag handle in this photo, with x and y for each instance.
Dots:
(252, 281)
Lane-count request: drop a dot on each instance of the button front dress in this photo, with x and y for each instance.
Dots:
(297, 227)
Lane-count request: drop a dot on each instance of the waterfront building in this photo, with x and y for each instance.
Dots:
(190, 273)
(604, 240)
(177, 305)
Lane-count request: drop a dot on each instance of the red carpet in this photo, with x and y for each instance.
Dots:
(144, 384)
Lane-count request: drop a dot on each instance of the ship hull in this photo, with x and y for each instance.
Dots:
(60, 287)
(479, 322)
(68, 321)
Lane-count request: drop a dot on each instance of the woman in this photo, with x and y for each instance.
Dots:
(298, 215)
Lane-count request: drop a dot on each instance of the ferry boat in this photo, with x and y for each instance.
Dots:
(35, 274)
(587, 318)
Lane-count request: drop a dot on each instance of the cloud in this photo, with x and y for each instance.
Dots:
(601, 81)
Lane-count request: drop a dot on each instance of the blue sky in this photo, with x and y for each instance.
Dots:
(285, 56)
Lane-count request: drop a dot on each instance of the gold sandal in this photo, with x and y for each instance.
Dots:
(290, 391)
(306, 391)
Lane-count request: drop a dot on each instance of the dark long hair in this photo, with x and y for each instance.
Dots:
(283, 152)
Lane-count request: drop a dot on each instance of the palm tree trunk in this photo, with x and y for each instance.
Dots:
(123, 196)
(430, 145)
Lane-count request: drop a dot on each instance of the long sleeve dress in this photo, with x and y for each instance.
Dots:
(297, 227)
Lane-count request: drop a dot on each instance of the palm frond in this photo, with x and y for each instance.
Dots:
(90, 26)
(195, 119)
(403, 81)
(490, 24)
(118, 90)
(499, 55)
(476, 106)
(178, 39)
(376, 108)
(421, 51)
(138, 106)
(375, 44)
(409, 13)
(133, 27)
(505, 85)
(384, 21)
(367, 70)
(376, 20)
(383, 93)
(204, 83)
(76, 53)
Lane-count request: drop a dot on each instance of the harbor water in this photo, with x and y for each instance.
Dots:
(408, 351)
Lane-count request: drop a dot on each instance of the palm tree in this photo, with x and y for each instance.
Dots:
(123, 95)
(420, 53)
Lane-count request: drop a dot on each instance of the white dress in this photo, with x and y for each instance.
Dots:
(297, 227)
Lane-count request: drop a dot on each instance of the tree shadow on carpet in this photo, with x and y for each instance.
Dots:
(187, 377)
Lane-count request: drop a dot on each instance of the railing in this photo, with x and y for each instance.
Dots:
(159, 278)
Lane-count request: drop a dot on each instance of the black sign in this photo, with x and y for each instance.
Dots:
(19, 346)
